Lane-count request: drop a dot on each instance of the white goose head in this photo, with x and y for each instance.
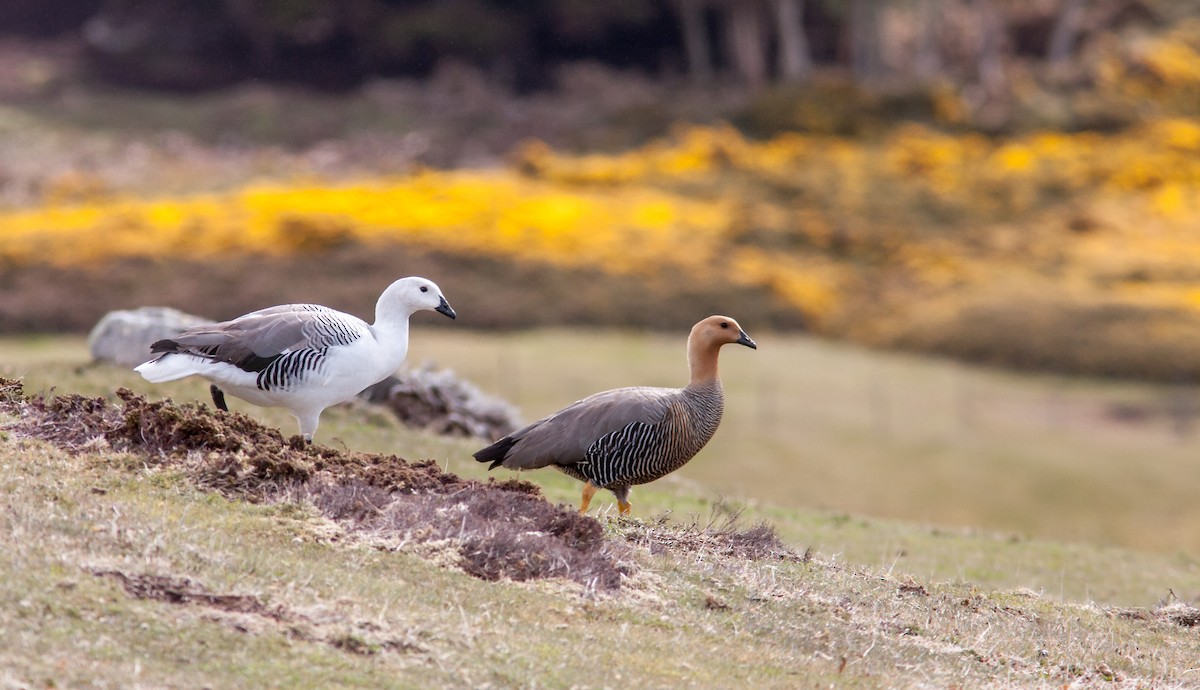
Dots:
(409, 295)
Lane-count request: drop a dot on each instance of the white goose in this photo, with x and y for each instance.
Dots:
(303, 357)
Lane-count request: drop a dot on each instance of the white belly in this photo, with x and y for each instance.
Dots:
(346, 371)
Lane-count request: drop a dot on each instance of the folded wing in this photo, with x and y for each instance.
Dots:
(564, 437)
(252, 342)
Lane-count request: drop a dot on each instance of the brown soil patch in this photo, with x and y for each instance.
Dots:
(242, 612)
(183, 590)
(502, 529)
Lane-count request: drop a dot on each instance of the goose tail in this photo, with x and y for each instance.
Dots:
(166, 368)
(496, 452)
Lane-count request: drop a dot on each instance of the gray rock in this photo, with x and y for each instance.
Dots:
(440, 402)
(124, 336)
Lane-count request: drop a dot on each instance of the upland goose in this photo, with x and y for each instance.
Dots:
(619, 438)
(303, 357)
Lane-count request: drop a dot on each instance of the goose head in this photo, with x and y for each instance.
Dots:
(705, 341)
(716, 331)
(410, 295)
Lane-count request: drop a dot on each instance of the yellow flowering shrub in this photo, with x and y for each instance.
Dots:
(1174, 58)
(493, 213)
(822, 221)
(1156, 73)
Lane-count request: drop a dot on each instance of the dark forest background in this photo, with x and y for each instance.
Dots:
(337, 44)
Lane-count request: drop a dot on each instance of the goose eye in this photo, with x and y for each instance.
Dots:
(424, 288)
(724, 324)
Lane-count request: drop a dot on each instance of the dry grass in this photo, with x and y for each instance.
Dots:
(721, 535)
(311, 583)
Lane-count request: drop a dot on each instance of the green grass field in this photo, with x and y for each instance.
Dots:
(919, 466)
(816, 425)
(96, 542)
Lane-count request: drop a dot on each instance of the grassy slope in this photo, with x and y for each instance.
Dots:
(366, 618)
(362, 617)
(1001, 500)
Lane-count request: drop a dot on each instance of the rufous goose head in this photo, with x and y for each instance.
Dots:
(705, 343)
(716, 331)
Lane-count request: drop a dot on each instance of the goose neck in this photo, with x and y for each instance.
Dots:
(391, 334)
(702, 363)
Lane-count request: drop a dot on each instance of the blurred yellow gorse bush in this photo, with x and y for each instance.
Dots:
(815, 218)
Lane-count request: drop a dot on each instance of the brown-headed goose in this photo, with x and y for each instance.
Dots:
(303, 357)
(619, 438)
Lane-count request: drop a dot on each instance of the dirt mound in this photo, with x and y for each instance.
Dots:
(500, 530)
(495, 529)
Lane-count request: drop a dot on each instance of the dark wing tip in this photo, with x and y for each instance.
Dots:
(164, 345)
(496, 452)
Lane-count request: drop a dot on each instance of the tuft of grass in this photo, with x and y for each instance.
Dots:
(722, 534)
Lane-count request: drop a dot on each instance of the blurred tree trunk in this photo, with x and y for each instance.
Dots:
(746, 40)
(994, 106)
(990, 62)
(795, 59)
(1066, 30)
(928, 60)
(695, 39)
(866, 60)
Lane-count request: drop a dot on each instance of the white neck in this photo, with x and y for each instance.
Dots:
(392, 317)
(391, 333)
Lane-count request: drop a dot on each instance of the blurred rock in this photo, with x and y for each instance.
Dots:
(124, 336)
(440, 402)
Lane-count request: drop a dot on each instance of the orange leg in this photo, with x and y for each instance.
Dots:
(622, 494)
(589, 490)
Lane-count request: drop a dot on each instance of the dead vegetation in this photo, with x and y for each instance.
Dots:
(496, 530)
(224, 451)
(721, 535)
(1171, 610)
(499, 529)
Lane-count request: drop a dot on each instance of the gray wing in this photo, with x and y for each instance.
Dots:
(564, 437)
(253, 341)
